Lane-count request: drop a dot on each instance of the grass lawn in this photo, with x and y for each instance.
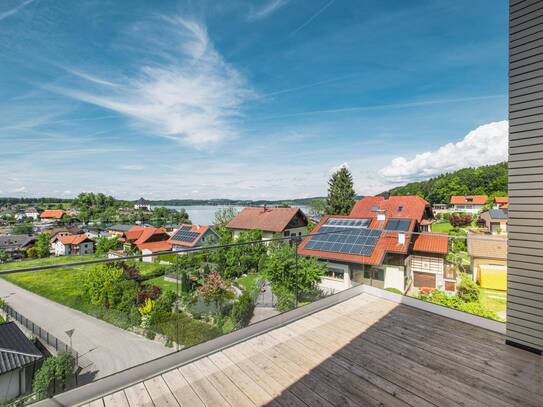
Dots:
(60, 285)
(248, 282)
(495, 301)
(163, 284)
(443, 227)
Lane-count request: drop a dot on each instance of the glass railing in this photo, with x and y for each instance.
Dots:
(109, 312)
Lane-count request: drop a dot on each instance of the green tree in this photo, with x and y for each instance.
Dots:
(105, 244)
(288, 278)
(341, 195)
(3, 256)
(224, 215)
(317, 208)
(42, 246)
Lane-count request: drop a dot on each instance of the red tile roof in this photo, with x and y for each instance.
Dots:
(200, 229)
(469, 199)
(431, 243)
(501, 199)
(72, 239)
(148, 233)
(404, 207)
(265, 219)
(52, 214)
(154, 247)
(412, 207)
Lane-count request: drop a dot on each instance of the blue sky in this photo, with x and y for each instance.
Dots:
(246, 99)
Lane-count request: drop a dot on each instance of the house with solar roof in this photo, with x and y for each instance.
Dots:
(272, 222)
(19, 359)
(381, 243)
(146, 239)
(191, 236)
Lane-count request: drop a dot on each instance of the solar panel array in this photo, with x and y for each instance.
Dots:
(185, 235)
(400, 225)
(348, 236)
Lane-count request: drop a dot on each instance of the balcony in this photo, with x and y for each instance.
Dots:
(359, 347)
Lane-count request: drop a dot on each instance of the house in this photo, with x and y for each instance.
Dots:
(33, 213)
(495, 220)
(190, 236)
(468, 203)
(142, 204)
(72, 245)
(379, 244)
(501, 202)
(440, 208)
(52, 215)
(273, 222)
(62, 231)
(16, 245)
(488, 260)
(19, 359)
(118, 229)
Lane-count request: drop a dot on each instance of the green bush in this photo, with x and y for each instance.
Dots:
(242, 310)
(166, 301)
(467, 289)
(286, 300)
(455, 302)
(54, 369)
(394, 290)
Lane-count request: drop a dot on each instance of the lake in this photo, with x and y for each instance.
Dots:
(205, 214)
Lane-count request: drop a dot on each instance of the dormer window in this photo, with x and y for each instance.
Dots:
(400, 209)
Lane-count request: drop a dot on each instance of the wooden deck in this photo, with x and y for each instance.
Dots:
(363, 352)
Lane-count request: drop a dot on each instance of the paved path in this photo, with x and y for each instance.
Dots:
(109, 348)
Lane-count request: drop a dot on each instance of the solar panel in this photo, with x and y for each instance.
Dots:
(348, 236)
(185, 235)
(400, 225)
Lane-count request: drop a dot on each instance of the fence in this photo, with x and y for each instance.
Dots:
(41, 333)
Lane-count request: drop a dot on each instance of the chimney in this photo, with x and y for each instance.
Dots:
(386, 195)
(401, 238)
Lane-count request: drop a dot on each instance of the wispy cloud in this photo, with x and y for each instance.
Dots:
(266, 10)
(15, 10)
(90, 78)
(314, 16)
(191, 94)
(486, 144)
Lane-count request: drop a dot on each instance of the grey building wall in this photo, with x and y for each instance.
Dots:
(525, 252)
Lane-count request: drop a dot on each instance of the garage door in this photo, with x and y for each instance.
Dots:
(424, 280)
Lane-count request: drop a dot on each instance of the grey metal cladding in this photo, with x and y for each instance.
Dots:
(525, 246)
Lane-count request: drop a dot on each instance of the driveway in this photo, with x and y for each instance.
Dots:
(109, 348)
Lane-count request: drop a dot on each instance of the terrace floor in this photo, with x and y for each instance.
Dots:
(365, 351)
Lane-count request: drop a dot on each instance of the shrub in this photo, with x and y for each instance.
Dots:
(460, 219)
(394, 290)
(57, 368)
(455, 302)
(468, 291)
(286, 300)
(242, 310)
(151, 292)
(166, 301)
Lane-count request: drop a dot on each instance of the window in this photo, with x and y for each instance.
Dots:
(286, 233)
(335, 273)
(400, 209)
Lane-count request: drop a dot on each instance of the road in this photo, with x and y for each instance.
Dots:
(109, 348)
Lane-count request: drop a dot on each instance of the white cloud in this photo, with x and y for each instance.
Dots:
(266, 10)
(20, 189)
(131, 167)
(15, 10)
(486, 144)
(186, 92)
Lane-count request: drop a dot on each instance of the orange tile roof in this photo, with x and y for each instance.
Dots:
(73, 239)
(412, 207)
(154, 247)
(200, 229)
(403, 207)
(501, 199)
(432, 243)
(52, 214)
(265, 219)
(469, 199)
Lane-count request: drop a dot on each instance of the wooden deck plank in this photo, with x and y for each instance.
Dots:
(202, 387)
(462, 367)
(137, 396)
(160, 392)
(364, 351)
(181, 389)
(117, 399)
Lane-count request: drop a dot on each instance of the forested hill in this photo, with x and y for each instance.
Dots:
(489, 180)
